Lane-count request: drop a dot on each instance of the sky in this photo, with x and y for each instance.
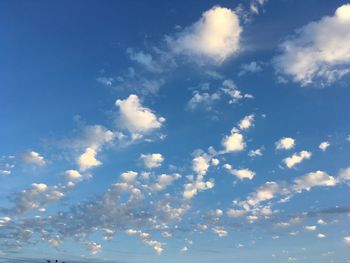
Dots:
(175, 131)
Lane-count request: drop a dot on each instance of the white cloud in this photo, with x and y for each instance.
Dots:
(319, 51)
(324, 145)
(203, 100)
(240, 173)
(215, 36)
(137, 118)
(229, 88)
(164, 180)
(220, 231)
(297, 158)
(285, 143)
(153, 160)
(256, 152)
(246, 122)
(215, 162)
(88, 159)
(310, 180)
(310, 228)
(233, 142)
(321, 235)
(235, 213)
(129, 176)
(200, 165)
(73, 176)
(34, 158)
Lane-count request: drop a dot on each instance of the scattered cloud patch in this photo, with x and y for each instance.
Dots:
(285, 143)
(297, 158)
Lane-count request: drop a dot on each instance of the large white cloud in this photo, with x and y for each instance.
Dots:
(319, 52)
(136, 118)
(215, 36)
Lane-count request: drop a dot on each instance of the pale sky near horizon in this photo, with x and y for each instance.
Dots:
(175, 131)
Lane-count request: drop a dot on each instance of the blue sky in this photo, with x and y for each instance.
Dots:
(165, 131)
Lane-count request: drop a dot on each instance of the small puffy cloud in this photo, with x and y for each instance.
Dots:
(256, 152)
(285, 143)
(313, 179)
(215, 36)
(318, 52)
(324, 145)
(200, 165)
(215, 162)
(151, 161)
(129, 176)
(246, 122)
(88, 160)
(240, 173)
(310, 228)
(297, 158)
(203, 100)
(73, 176)
(136, 118)
(234, 142)
(321, 235)
(34, 158)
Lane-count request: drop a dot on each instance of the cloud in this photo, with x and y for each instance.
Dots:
(200, 165)
(246, 122)
(256, 152)
(229, 88)
(310, 228)
(324, 145)
(216, 36)
(145, 60)
(34, 158)
(240, 173)
(164, 180)
(203, 100)
(234, 142)
(319, 52)
(310, 180)
(220, 231)
(252, 67)
(88, 159)
(136, 118)
(297, 158)
(129, 176)
(151, 161)
(285, 143)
